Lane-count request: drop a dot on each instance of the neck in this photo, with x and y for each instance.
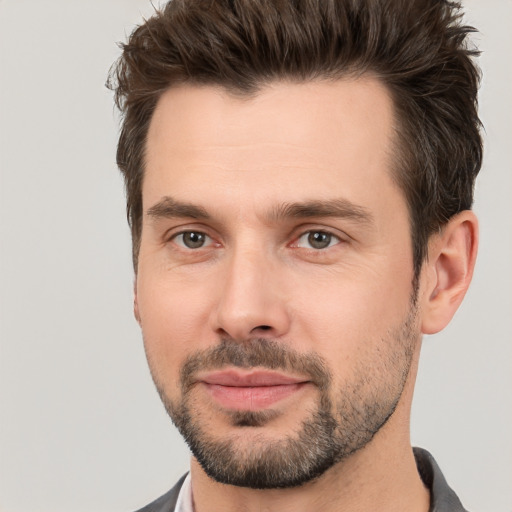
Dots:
(385, 483)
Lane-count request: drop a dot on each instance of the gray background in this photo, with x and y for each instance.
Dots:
(81, 426)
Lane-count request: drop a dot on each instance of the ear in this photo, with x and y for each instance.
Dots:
(448, 270)
(135, 302)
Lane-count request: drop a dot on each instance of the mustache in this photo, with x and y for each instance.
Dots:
(255, 352)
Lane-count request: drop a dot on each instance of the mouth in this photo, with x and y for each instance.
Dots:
(250, 391)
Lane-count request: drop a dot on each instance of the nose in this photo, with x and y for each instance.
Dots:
(251, 301)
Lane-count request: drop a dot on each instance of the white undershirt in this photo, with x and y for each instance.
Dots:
(185, 503)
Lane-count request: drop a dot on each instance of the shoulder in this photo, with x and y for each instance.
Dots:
(166, 502)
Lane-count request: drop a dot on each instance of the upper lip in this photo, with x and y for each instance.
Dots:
(255, 378)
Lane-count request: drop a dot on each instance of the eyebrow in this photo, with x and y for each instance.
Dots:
(341, 208)
(168, 207)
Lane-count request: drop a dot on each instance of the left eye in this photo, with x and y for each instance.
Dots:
(192, 239)
(317, 240)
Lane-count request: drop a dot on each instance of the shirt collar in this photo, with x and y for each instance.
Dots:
(185, 501)
(442, 497)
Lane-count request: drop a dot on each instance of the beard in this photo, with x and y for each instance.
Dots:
(341, 422)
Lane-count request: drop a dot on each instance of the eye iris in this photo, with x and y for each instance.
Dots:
(193, 240)
(319, 240)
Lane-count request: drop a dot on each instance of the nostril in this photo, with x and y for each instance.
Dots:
(263, 327)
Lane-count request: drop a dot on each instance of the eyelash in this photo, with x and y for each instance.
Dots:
(309, 233)
(182, 245)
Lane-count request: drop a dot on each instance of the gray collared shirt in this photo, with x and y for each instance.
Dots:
(442, 497)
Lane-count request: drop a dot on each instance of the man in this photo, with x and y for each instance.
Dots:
(299, 178)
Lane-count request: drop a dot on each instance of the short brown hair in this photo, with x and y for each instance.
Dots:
(418, 48)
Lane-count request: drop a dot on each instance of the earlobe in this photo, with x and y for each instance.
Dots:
(449, 269)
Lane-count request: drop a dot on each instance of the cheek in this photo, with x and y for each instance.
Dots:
(173, 317)
(344, 313)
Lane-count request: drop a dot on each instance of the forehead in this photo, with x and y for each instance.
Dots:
(290, 141)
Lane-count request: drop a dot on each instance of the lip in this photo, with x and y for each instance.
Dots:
(250, 391)
(255, 378)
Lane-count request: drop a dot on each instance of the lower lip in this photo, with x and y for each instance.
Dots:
(251, 398)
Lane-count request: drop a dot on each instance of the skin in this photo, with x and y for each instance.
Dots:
(239, 160)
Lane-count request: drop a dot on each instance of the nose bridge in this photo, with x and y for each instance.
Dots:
(250, 301)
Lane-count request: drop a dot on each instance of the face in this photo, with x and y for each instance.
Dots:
(274, 281)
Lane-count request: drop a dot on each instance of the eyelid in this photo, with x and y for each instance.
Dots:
(179, 229)
(304, 230)
(172, 234)
(333, 241)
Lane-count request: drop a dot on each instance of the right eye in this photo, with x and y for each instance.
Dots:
(192, 239)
